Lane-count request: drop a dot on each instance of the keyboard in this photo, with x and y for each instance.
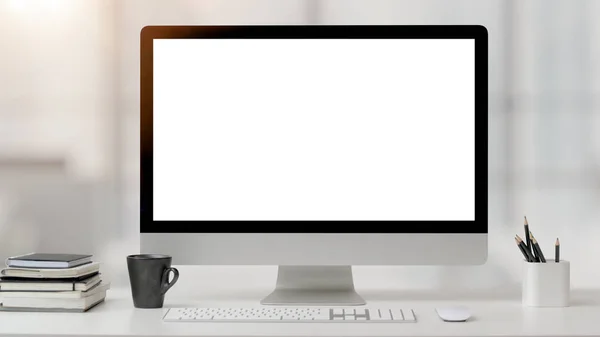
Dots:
(291, 314)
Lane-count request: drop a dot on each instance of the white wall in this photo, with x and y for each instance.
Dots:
(57, 118)
(69, 93)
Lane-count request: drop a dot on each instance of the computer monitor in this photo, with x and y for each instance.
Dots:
(314, 149)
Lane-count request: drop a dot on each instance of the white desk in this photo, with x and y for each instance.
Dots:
(496, 314)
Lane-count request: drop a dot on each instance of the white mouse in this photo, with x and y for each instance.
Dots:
(453, 314)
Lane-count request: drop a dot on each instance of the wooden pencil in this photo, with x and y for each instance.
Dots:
(557, 251)
(537, 249)
(527, 239)
(528, 256)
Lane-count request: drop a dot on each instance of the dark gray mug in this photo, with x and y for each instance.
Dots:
(149, 279)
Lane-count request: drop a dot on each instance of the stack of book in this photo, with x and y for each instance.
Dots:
(51, 282)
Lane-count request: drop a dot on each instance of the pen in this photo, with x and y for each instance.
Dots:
(557, 251)
(528, 256)
(537, 249)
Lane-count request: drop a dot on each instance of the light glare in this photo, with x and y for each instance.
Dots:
(18, 4)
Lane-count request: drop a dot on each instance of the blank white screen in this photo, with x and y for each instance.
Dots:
(314, 129)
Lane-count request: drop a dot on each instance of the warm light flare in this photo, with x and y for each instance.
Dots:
(21, 5)
(18, 4)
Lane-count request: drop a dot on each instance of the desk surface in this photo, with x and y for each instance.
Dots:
(496, 314)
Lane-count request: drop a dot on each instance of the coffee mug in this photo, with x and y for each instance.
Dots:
(149, 279)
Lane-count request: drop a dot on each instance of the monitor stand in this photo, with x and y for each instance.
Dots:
(314, 286)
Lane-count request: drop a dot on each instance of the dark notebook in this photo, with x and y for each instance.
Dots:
(45, 260)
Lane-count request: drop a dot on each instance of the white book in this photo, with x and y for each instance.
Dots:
(78, 271)
(55, 294)
(54, 303)
(49, 284)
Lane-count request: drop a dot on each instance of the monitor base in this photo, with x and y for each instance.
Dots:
(314, 286)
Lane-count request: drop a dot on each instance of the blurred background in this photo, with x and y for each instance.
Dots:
(69, 122)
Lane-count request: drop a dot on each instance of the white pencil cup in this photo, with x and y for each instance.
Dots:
(546, 284)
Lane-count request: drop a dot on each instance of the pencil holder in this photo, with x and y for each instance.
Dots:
(546, 284)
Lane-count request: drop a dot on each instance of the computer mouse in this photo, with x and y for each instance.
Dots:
(454, 314)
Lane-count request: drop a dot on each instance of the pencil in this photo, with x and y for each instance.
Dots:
(523, 250)
(557, 251)
(528, 256)
(527, 239)
(537, 249)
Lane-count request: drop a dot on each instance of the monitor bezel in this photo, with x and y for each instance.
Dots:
(476, 32)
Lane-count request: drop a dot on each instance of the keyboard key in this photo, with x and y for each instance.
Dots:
(397, 314)
(321, 316)
(386, 315)
(360, 312)
(375, 315)
(409, 315)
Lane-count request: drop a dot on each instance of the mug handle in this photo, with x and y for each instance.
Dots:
(166, 285)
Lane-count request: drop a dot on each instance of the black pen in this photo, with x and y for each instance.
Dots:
(528, 256)
(557, 251)
(537, 249)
